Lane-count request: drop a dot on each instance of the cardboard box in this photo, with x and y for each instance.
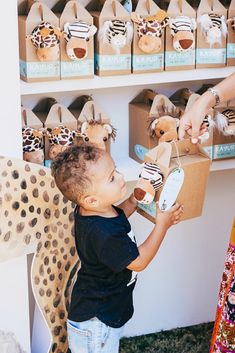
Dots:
(74, 12)
(31, 68)
(139, 140)
(231, 35)
(175, 60)
(206, 55)
(195, 163)
(58, 115)
(42, 108)
(29, 119)
(223, 146)
(141, 61)
(107, 61)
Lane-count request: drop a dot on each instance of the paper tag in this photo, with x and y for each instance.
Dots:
(171, 189)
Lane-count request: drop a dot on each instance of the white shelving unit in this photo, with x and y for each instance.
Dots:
(180, 286)
(133, 80)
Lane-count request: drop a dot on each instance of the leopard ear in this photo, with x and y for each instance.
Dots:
(108, 128)
(84, 127)
(154, 123)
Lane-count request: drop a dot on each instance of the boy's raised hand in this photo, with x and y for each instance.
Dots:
(168, 218)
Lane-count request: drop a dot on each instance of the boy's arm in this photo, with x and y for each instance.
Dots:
(149, 248)
(129, 205)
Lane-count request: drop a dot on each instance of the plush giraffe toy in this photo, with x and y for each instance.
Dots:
(60, 138)
(150, 31)
(46, 37)
(35, 217)
(33, 145)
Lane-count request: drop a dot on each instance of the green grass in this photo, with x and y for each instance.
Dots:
(192, 339)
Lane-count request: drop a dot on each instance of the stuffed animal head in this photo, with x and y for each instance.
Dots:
(214, 28)
(225, 122)
(33, 145)
(117, 33)
(165, 125)
(151, 179)
(182, 29)
(97, 132)
(60, 138)
(77, 35)
(150, 30)
(46, 37)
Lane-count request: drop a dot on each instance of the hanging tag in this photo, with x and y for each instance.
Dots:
(171, 189)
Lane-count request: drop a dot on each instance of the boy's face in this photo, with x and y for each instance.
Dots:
(107, 184)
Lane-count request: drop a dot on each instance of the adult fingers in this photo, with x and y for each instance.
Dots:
(182, 129)
(195, 132)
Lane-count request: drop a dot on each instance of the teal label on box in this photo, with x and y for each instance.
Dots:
(231, 50)
(150, 209)
(47, 163)
(173, 58)
(77, 68)
(226, 150)
(140, 151)
(211, 56)
(113, 62)
(208, 150)
(148, 62)
(39, 69)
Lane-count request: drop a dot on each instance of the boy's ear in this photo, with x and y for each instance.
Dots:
(90, 201)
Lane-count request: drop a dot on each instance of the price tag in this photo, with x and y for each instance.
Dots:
(171, 189)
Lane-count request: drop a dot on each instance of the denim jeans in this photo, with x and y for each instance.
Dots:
(93, 336)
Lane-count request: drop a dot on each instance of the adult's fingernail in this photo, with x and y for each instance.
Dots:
(194, 140)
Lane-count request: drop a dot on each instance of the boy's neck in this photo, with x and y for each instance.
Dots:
(107, 212)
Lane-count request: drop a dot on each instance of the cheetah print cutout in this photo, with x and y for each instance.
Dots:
(35, 217)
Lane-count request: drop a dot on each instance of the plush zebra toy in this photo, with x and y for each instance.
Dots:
(117, 33)
(225, 122)
(214, 28)
(151, 179)
(182, 29)
(77, 35)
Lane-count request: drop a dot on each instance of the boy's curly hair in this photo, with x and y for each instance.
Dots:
(69, 169)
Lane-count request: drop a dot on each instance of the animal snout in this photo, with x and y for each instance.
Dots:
(139, 194)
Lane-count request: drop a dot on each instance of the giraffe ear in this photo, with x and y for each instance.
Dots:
(108, 128)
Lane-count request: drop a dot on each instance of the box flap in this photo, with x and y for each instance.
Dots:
(146, 7)
(180, 7)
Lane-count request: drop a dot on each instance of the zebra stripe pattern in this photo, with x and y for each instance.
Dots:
(230, 115)
(152, 172)
(181, 23)
(216, 20)
(78, 29)
(118, 27)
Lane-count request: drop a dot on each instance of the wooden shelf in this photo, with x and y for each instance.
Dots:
(124, 81)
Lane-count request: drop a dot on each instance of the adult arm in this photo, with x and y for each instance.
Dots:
(192, 120)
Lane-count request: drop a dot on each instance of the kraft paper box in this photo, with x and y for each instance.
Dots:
(223, 146)
(31, 68)
(231, 35)
(77, 105)
(195, 163)
(42, 108)
(58, 115)
(143, 62)
(84, 68)
(30, 119)
(207, 144)
(107, 61)
(175, 60)
(139, 140)
(206, 55)
(92, 111)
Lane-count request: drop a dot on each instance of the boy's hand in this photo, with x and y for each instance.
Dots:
(170, 217)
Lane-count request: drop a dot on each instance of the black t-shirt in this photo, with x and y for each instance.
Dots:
(104, 285)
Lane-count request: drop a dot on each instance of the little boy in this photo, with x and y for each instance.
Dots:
(101, 301)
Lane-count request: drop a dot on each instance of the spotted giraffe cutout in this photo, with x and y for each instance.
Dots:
(35, 217)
